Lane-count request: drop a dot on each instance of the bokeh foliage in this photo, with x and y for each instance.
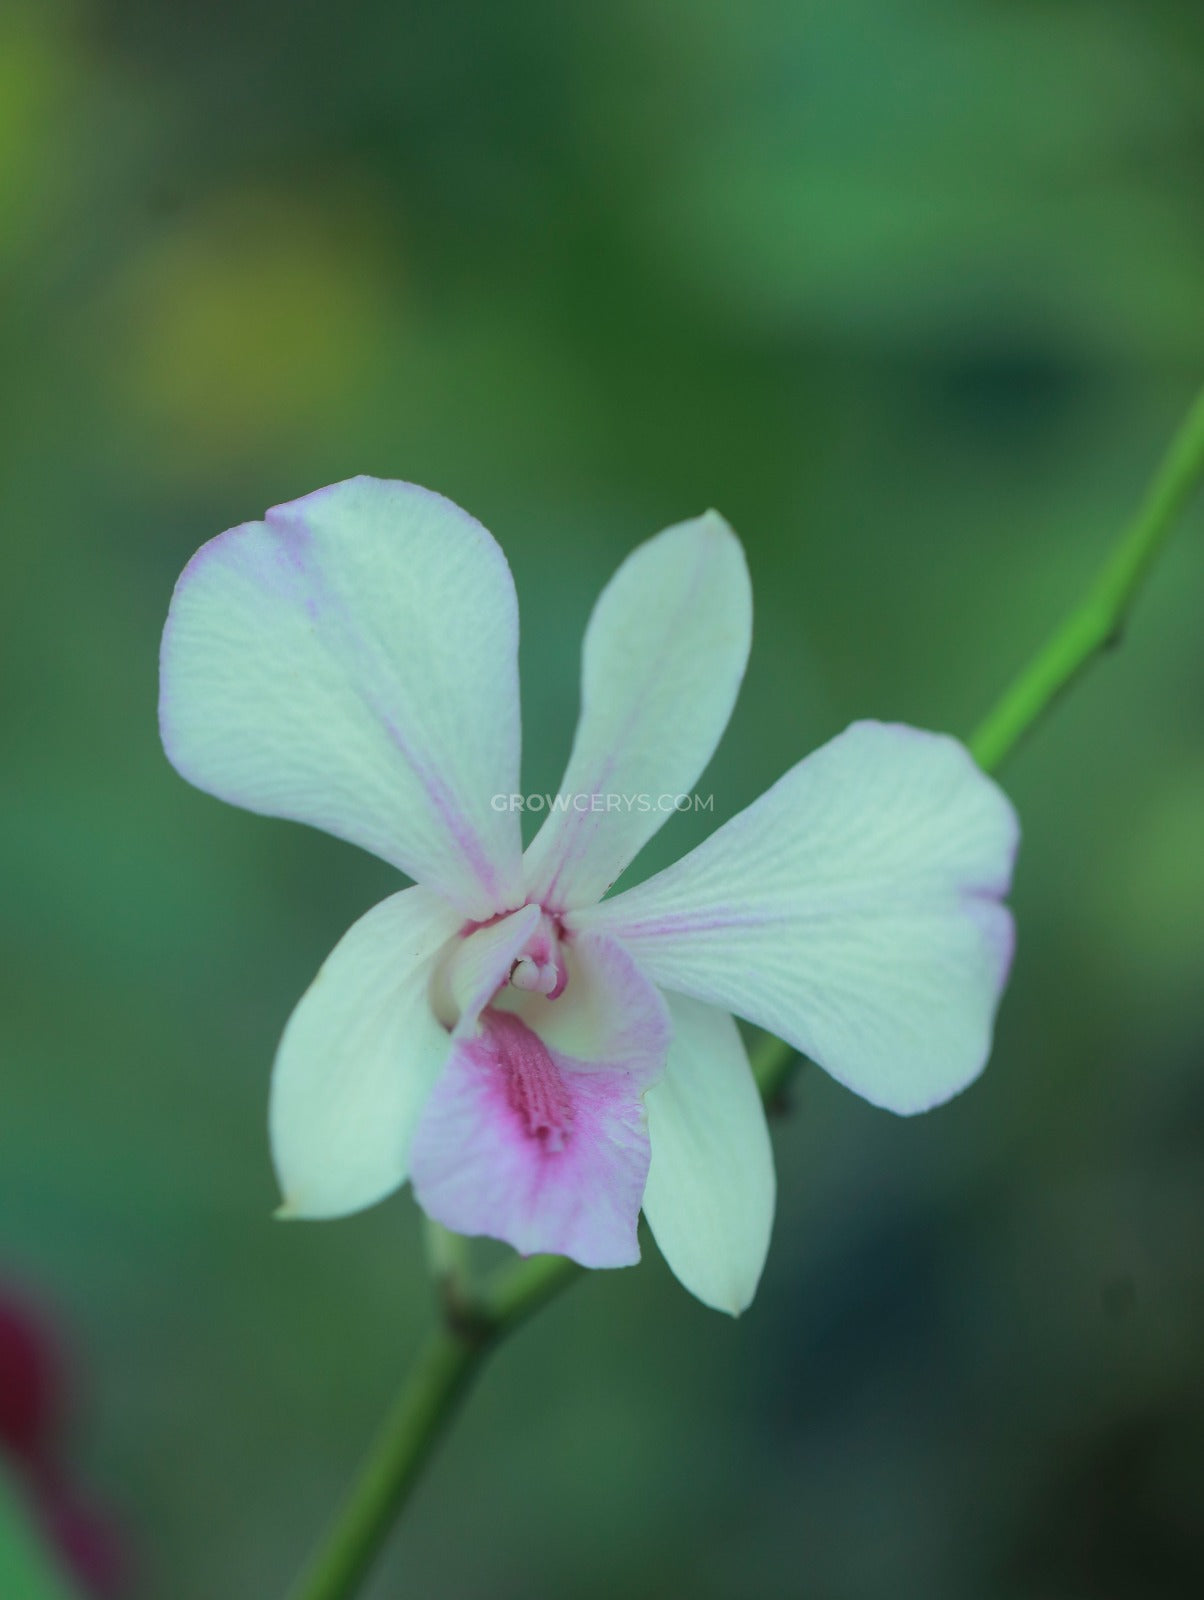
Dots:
(913, 291)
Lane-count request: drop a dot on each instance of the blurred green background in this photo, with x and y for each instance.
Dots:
(913, 291)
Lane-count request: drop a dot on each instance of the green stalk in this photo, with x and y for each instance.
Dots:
(1098, 619)
(421, 1414)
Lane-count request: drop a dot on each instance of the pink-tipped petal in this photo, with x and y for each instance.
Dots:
(351, 662)
(663, 658)
(854, 910)
(536, 1132)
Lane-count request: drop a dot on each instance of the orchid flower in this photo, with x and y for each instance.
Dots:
(542, 1063)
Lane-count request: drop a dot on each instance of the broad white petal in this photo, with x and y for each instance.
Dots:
(536, 1131)
(358, 1058)
(710, 1194)
(351, 662)
(664, 654)
(854, 910)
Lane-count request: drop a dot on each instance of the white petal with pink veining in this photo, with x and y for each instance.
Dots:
(664, 654)
(854, 910)
(351, 662)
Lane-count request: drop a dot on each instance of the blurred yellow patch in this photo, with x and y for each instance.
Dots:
(247, 328)
(39, 85)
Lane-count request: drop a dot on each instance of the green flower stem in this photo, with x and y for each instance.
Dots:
(1098, 619)
(426, 1405)
(446, 1255)
(474, 1321)
(471, 1324)
(774, 1064)
(524, 1287)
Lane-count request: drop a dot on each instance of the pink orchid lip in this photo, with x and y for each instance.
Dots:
(534, 1086)
(535, 1132)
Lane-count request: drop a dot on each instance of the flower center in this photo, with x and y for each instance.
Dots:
(540, 967)
(534, 1088)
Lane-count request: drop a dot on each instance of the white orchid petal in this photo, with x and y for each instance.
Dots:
(351, 662)
(710, 1194)
(663, 658)
(358, 1059)
(854, 910)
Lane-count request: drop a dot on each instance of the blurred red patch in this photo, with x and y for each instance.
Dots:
(34, 1403)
